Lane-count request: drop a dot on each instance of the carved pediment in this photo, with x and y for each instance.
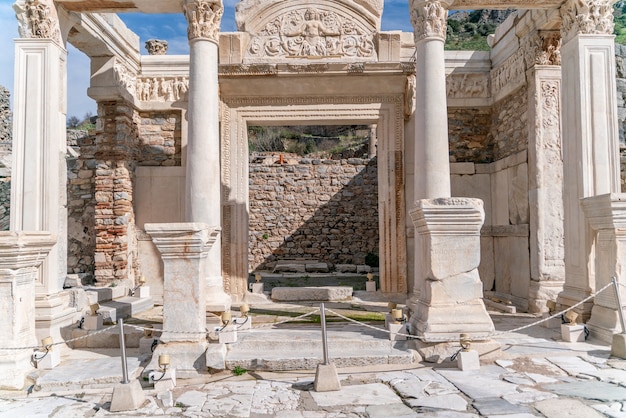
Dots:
(328, 30)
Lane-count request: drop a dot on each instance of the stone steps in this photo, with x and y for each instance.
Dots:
(301, 349)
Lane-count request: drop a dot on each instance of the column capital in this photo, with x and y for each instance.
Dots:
(38, 19)
(586, 17)
(203, 17)
(542, 48)
(429, 18)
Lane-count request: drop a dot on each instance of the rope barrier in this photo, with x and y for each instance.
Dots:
(47, 347)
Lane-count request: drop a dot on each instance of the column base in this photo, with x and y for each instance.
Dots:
(604, 323)
(52, 314)
(14, 366)
(216, 299)
(571, 296)
(187, 358)
(542, 291)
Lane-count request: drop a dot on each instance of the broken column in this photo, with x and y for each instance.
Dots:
(447, 294)
(21, 253)
(203, 187)
(184, 248)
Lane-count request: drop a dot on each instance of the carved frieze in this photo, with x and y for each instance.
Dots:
(511, 73)
(542, 48)
(550, 105)
(409, 96)
(248, 69)
(467, 85)
(161, 89)
(312, 33)
(125, 78)
(429, 19)
(587, 17)
(307, 68)
(156, 47)
(203, 18)
(37, 19)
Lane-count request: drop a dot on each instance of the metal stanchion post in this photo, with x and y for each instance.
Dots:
(324, 338)
(123, 348)
(620, 306)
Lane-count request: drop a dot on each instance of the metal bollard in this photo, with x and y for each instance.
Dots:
(620, 306)
(123, 348)
(324, 339)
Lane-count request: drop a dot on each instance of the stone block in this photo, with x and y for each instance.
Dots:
(127, 397)
(345, 268)
(283, 267)
(551, 323)
(468, 360)
(362, 269)
(316, 268)
(328, 293)
(163, 380)
(215, 356)
(256, 288)
(326, 378)
(618, 346)
(243, 323)
(394, 329)
(93, 322)
(143, 292)
(573, 333)
(370, 286)
(146, 343)
(227, 335)
(49, 361)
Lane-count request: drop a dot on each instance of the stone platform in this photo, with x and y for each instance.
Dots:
(322, 293)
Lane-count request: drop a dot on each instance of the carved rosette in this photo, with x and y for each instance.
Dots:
(586, 17)
(37, 19)
(312, 32)
(543, 48)
(204, 18)
(429, 19)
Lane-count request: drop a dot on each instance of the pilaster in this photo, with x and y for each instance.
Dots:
(589, 117)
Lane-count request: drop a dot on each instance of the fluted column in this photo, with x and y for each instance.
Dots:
(203, 188)
(590, 133)
(432, 161)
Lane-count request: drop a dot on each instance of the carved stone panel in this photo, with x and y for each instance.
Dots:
(587, 17)
(37, 19)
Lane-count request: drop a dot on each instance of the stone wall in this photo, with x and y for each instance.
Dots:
(620, 60)
(510, 125)
(470, 135)
(159, 139)
(5, 121)
(324, 210)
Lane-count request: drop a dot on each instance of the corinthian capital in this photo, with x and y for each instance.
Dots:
(204, 17)
(37, 19)
(587, 17)
(429, 18)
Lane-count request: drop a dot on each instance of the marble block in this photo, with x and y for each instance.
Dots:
(49, 361)
(228, 335)
(143, 292)
(243, 323)
(370, 286)
(573, 333)
(93, 322)
(394, 329)
(618, 346)
(256, 287)
(163, 380)
(551, 323)
(468, 360)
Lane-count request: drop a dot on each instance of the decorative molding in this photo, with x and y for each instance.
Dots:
(586, 17)
(161, 89)
(235, 101)
(156, 47)
(125, 78)
(550, 109)
(542, 48)
(356, 68)
(204, 18)
(312, 33)
(511, 73)
(467, 85)
(38, 19)
(307, 68)
(429, 19)
(248, 69)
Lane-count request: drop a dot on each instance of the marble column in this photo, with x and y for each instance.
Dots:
(607, 216)
(21, 253)
(447, 294)
(38, 185)
(184, 248)
(590, 134)
(545, 168)
(203, 187)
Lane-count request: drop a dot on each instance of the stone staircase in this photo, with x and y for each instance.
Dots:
(300, 348)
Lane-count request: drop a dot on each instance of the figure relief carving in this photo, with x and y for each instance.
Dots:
(550, 104)
(409, 96)
(162, 89)
(37, 19)
(511, 72)
(429, 19)
(125, 78)
(156, 47)
(543, 48)
(312, 32)
(587, 17)
(204, 18)
(467, 85)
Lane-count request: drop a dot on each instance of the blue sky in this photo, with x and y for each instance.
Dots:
(172, 28)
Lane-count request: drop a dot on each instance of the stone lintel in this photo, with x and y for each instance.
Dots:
(183, 240)
(445, 216)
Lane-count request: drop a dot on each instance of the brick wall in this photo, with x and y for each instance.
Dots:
(159, 139)
(470, 135)
(324, 210)
(510, 125)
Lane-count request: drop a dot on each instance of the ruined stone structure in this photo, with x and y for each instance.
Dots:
(529, 138)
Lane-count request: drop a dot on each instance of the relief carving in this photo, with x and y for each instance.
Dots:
(162, 89)
(37, 19)
(467, 85)
(409, 96)
(156, 47)
(543, 48)
(550, 105)
(429, 19)
(587, 17)
(511, 72)
(125, 78)
(312, 33)
(204, 18)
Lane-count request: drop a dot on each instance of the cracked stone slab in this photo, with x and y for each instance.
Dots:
(480, 384)
(574, 366)
(571, 408)
(497, 406)
(453, 402)
(396, 410)
(272, 397)
(599, 391)
(369, 394)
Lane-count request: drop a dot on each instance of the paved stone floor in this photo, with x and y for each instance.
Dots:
(537, 375)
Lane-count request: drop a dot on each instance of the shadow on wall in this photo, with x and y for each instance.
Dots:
(323, 210)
